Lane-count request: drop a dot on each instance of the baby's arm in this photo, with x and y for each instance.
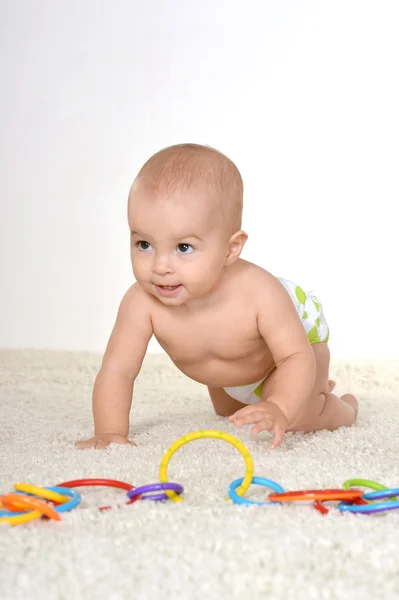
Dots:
(285, 336)
(287, 391)
(113, 388)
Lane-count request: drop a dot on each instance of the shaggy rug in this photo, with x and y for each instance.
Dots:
(203, 547)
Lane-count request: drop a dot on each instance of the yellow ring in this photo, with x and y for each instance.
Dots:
(208, 433)
(19, 519)
(41, 492)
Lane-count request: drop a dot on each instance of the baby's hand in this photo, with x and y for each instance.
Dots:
(266, 416)
(102, 441)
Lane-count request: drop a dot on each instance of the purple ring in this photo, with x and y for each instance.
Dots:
(379, 494)
(152, 487)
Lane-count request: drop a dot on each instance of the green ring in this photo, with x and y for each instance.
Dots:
(372, 485)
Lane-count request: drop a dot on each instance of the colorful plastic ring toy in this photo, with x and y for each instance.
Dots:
(257, 480)
(67, 504)
(378, 495)
(73, 501)
(207, 433)
(318, 504)
(105, 482)
(373, 485)
(20, 518)
(21, 501)
(373, 507)
(18, 511)
(303, 495)
(348, 484)
(367, 483)
(41, 492)
(152, 487)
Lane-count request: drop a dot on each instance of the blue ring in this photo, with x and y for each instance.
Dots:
(374, 506)
(258, 480)
(368, 508)
(72, 503)
(378, 495)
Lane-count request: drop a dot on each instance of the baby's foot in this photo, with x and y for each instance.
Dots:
(331, 385)
(352, 401)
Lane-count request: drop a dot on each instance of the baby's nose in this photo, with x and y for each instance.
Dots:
(162, 265)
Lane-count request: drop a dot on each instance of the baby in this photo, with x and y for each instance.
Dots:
(257, 342)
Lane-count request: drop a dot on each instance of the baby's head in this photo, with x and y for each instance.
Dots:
(185, 213)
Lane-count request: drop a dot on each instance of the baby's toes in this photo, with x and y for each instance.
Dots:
(331, 385)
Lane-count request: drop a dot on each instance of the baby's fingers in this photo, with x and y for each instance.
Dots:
(263, 425)
(267, 425)
(247, 417)
(278, 436)
(242, 411)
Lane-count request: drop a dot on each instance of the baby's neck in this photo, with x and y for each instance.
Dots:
(216, 298)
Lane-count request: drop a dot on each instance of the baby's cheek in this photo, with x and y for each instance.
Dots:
(139, 272)
(202, 281)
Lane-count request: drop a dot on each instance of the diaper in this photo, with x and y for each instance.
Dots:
(312, 316)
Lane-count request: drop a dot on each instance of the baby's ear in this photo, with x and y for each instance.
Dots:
(235, 246)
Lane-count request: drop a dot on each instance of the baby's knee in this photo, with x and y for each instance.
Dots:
(223, 404)
(223, 411)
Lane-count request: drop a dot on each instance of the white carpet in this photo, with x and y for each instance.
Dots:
(204, 547)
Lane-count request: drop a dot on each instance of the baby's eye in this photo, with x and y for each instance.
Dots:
(185, 248)
(143, 245)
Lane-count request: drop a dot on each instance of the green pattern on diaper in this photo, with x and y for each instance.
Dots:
(258, 391)
(310, 312)
(313, 335)
(300, 294)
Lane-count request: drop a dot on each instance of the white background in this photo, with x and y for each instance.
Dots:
(302, 95)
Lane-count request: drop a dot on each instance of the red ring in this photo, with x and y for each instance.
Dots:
(106, 482)
(318, 504)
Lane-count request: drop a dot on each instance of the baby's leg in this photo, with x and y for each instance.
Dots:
(325, 410)
(224, 405)
(331, 412)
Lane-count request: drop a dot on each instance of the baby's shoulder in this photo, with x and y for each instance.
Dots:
(254, 276)
(257, 284)
(137, 298)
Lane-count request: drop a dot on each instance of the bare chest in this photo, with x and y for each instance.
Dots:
(221, 337)
(223, 346)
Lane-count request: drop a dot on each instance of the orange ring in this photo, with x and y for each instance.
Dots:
(10, 501)
(301, 495)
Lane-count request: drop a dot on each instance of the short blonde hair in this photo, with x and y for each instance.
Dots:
(184, 166)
